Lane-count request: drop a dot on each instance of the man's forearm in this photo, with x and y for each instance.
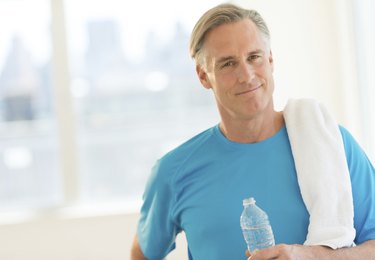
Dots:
(136, 252)
(284, 251)
(136, 255)
(360, 252)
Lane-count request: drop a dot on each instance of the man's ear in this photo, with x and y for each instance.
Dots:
(270, 59)
(203, 77)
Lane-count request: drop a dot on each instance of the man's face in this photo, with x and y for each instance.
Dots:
(238, 69)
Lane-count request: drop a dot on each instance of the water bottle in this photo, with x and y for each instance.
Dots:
(255, 226)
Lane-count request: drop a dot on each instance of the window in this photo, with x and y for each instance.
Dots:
(134, 91)
(29, 164)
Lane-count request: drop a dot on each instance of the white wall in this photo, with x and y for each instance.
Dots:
(312, 48)
(94, 238)
(72, 237)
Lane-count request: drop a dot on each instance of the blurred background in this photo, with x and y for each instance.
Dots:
(92, 93)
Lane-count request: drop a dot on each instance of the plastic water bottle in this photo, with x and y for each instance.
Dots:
(256, 227)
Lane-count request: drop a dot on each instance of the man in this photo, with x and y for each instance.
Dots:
(198, 187)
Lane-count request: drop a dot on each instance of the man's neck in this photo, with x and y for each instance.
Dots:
(254, 130)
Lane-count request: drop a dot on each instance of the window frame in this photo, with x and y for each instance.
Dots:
(66, 127)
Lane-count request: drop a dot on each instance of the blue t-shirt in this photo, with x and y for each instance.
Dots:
(199, 187)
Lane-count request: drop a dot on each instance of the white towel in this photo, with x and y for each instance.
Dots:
(322, 173)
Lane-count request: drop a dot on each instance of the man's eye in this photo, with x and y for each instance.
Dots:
(255, 57)
(227, 64)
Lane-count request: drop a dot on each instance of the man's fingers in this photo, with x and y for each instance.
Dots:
(252, 254)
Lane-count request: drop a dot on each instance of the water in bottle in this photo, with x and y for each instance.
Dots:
(255, 226)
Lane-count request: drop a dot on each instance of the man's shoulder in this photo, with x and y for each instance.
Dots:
(187, 149)
(173, 162)
(350, 143)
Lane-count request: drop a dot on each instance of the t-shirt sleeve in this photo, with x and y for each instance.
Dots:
(362, 176)
(156, 230)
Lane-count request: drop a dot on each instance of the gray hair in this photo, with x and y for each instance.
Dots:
(222, 14)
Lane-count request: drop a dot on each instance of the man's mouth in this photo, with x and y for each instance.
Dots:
(249, 90)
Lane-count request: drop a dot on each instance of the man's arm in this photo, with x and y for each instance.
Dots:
(362, 251)
(136, 251)
(282, 251)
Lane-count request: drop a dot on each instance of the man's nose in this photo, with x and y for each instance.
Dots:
(245, 73)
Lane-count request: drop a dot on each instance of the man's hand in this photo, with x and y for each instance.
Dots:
(297, 252)
(292, 252)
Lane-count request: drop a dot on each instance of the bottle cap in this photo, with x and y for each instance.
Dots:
(248, 201)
